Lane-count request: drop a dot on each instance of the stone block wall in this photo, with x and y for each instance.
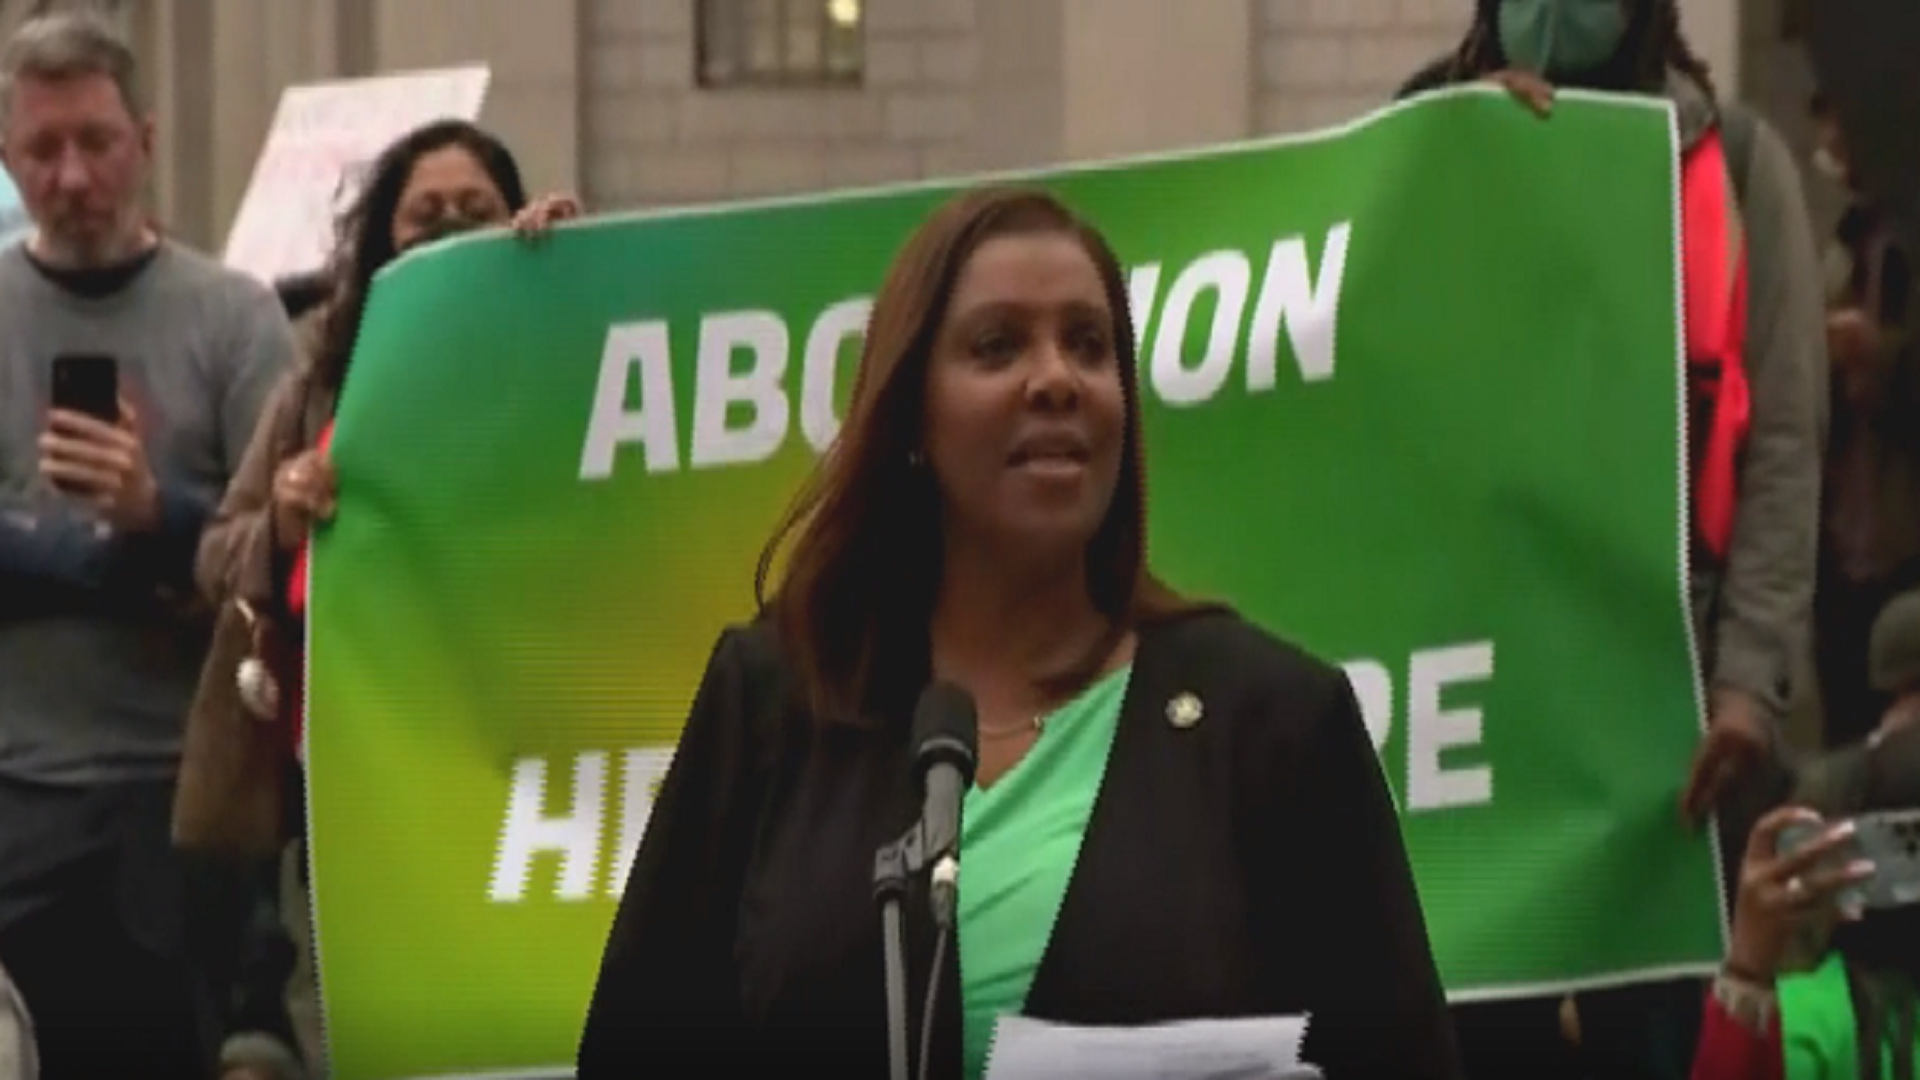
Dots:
(652, 135)
(601, 95)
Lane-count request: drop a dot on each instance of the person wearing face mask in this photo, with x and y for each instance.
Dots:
(241, 777)
(1870, 540)
(1755, 344)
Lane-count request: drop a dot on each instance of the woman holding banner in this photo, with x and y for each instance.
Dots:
(1174, 816)
(240, 777)
(1757, 381)
(440, 180)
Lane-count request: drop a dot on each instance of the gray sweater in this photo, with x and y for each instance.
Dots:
(99, 651)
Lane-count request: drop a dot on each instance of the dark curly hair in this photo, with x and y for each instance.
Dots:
(1653, 44)
(363, 242)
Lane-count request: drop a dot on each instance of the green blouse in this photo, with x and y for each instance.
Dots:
(1818, 1029)
(1019, 840)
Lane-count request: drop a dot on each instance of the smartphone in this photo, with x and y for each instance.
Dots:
(1890, 840)
(87, 383)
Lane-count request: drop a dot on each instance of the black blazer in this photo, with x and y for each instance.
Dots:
(1249, 864)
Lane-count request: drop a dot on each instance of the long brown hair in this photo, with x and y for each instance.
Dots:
(363, 242)
(863, 540)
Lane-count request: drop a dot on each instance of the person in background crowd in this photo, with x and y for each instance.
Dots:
(265, 997)
(265, 1044)
(981, 519)
(1755, 343)
(441, 180)
(1871, 537)
(1852, 1011)
(122, 947)
(1893, 661)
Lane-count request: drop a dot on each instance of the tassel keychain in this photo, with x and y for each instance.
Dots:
(259, 690)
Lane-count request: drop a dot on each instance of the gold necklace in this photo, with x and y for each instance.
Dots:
(1036, 724)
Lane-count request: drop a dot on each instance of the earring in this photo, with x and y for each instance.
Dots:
(914, 460)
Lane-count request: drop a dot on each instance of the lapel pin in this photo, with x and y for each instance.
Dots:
(1185, 710)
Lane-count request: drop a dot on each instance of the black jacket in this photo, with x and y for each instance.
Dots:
(1250, 864)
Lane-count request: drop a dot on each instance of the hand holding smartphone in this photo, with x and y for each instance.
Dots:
(1888, 839)
(89, 384)
(104, 467)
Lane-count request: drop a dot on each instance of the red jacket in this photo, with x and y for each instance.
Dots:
(297, 587)
(294, 699)
(1729, 1050)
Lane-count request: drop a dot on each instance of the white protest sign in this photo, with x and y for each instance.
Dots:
(323, 136)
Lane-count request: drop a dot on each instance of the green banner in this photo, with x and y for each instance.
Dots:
(1413, 399)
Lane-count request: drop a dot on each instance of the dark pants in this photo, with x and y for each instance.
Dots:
(135, 959)
(256, 999)
(103, 1004)
(1519, 1038)
(1643, 1032)
(1844, 613)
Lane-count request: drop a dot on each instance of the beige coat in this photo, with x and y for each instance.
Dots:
(234, 769)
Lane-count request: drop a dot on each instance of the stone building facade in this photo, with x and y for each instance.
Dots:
(606, 96)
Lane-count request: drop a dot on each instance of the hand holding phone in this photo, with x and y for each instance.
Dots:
(1890, 840)
(1785, 885)
(88, 384)
(90, 449)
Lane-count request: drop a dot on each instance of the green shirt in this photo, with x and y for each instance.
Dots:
(1818, 1028)
(1019, 840)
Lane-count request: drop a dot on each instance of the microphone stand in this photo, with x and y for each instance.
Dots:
(893, 866)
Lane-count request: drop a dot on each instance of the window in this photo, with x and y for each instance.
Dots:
(780, 42)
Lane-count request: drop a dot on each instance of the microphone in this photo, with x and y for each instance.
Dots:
(945, 735)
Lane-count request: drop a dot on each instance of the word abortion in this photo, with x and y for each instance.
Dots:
(1291, 297)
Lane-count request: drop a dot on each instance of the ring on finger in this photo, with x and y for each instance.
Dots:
(1796, 888)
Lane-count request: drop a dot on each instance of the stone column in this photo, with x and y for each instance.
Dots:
(535, 51)
(1142, 75)
(1713, 29)
(171, 37)
(248, 53)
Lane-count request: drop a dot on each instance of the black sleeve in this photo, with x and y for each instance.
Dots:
(1379, 1012)
(669, 990)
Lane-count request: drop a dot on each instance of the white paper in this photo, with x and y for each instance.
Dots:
(1259, 1048)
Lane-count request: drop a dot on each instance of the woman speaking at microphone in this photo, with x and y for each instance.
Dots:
(1174, 816)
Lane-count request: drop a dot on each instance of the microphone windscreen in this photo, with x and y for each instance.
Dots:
(946, 726)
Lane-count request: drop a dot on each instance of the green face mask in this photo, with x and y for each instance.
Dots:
(1561, 37)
